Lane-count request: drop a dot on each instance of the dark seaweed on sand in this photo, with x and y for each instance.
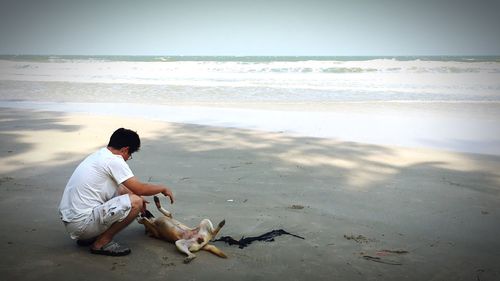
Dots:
(245, 241)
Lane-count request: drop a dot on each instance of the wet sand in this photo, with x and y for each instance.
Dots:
(367, 212)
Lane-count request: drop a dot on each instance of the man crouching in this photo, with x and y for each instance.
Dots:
(103, 196)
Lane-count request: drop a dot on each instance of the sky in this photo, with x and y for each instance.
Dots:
(250, 28)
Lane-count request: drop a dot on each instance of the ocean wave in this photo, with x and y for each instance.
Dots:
(231, 65)
(369, 79)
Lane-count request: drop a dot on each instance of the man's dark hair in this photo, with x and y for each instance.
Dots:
(123, 138)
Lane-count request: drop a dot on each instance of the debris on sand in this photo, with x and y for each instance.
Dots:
(381, 256)
(394, 251)
(267, 237)
(380, 260)
(357, 238)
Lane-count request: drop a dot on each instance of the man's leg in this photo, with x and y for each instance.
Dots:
(106, 237)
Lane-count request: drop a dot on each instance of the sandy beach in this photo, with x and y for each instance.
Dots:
(367, 130)
(367, 212)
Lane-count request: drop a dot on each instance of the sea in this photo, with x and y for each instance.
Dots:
(457, 97)
(164, 79)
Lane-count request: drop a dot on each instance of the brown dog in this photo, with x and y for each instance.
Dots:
(187, 240)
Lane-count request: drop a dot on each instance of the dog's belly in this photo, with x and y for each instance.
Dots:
(201, 236)
(169, 230)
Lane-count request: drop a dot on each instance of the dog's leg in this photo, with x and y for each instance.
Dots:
(160, 208)
(216, 230)
(183, 246)
(207, 225)
(214, 250)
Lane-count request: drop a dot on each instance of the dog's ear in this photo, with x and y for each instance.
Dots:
(147, 214)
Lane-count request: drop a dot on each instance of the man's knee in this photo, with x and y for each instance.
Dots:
(136, 202)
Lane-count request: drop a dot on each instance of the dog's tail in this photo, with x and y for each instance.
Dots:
(214, 250)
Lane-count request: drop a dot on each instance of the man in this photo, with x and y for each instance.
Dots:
(103, 196)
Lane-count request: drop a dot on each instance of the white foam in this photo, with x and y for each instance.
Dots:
(415, 77)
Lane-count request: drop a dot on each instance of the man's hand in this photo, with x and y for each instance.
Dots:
(167, 192)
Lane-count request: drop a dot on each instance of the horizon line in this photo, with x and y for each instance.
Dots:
(176, 55)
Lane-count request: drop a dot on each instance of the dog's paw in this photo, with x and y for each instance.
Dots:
(222, 223)
(188, 259)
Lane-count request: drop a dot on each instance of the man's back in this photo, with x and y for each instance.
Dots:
(94, 181)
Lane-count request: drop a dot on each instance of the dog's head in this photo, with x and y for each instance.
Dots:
(144, 216)
(147, 214)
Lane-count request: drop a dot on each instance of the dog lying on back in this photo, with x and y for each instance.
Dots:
(186, 239)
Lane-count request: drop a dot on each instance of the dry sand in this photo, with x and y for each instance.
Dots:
(367, 212)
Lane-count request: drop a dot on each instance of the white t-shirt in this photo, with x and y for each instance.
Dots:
(94, 181)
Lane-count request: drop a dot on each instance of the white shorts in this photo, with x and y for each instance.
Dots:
(101, 218)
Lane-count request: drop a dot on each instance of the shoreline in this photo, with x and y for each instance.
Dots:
(459, 127)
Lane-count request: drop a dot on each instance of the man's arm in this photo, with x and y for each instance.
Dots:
(147, 189)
